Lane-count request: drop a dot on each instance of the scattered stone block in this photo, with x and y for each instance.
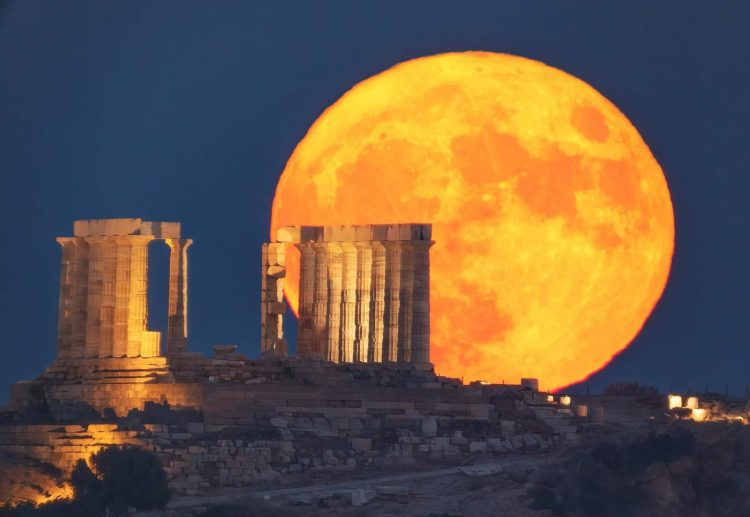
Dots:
(361, 444)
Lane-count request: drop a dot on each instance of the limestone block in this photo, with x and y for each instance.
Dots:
(361, 444)
(429, 426)
(393, 232)
(362, 496)
(478, 447)
(363, 233)
(379, 232)
(275, 255)
(160, 230)
(311, 234)
(97, 227)
(275, 307)
(289, 234)
(339, 233)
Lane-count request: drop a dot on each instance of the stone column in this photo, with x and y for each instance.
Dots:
(67, 295)
(377, 303)
(335, 277)
(306, 324)
(141, 341)
(320, 301)
(364, 286)
(80, 299)
(420, 333)
(178, 292)
(95, 288)
(272, 298)
(107, 299)
(348, 302)
(405, 317)
(392, 300)
(122, 297)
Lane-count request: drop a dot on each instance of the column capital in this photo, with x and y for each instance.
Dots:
(179, 243)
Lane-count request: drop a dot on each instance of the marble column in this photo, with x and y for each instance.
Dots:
(420, 334)
(406, 287)
(320, 304)
(348, 302)
(94, 301)
(80, 299)
(335, 277)
(121, 297)
(66, 309)
(364, 286)
(377, 303)
(392, 300)
(306, 323)
(141, 341)
(178, 293)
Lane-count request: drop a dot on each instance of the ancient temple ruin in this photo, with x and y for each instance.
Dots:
(361, 376)
(364, 292)
(103, 290)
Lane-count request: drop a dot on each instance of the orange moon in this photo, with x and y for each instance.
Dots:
(553, 222)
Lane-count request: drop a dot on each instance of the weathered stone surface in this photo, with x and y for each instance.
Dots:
(364, 292)
(429, 426)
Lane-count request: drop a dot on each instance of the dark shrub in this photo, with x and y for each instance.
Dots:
(631, 389)
(122, 477)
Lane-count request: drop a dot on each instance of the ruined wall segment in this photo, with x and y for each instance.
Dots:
(272, 307)
(363, 291)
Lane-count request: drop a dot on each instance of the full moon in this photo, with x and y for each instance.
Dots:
(552, 220)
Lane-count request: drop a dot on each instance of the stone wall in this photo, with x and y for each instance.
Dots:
(242, 423)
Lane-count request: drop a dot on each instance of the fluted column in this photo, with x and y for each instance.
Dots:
(420, 334)
(392, 300)
(364, 286)
(348, 302)
(335, 277)
(80, 299)
(320, 301)
(67, 295)
(178, 293)
(306, 323)
(406, 288)
(122, 297)
(141, 341)
(94, 305)
(377, 303)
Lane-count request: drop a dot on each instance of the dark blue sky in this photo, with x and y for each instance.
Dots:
(187, 110)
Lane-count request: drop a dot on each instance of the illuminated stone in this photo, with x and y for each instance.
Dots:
(104, 290)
